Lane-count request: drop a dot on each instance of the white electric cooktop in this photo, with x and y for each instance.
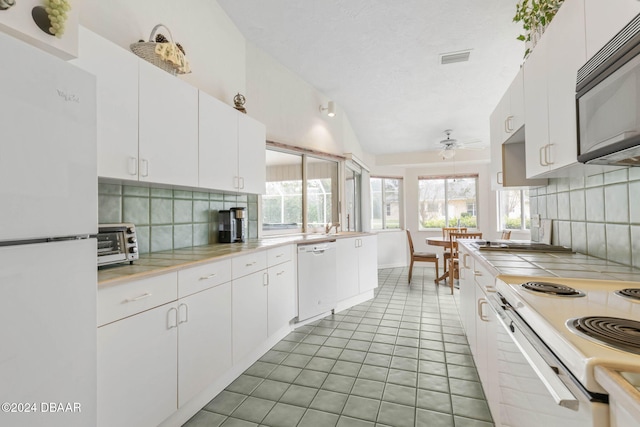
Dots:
(547, 315)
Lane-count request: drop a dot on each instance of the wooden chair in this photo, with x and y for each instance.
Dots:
(453, 261)
(506, 235)
(447, 250)
(421, 257)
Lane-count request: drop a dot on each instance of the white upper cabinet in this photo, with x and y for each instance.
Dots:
(116, 71)
(218, 144)
(507, 139)
(168, 128)
(232, 148)
(549, 92)
(604, 19)
(252, 155)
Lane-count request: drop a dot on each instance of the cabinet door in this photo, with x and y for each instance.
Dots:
(168, 128)
(516, 103)
(368, 263)
(347, 268)
(496, 126)
(467, 294)
(281, 296)
(536, 109)
(116, 71)
(137, 369)
(604, 19)
(204, 340)
(565, 55)
(218, 144)
(252, 152)
(249, 313)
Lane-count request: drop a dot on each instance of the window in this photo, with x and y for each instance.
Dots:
(291, 205)
(448, 202)
(385, 193)
(513, 210)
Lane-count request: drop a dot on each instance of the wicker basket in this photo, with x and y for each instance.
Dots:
(147, 51)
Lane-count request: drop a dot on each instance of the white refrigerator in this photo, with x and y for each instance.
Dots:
(48, 211)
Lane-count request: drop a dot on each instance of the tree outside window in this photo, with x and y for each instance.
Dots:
(447, 202)
(513, 210)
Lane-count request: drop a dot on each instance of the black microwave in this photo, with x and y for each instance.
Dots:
(608, 102)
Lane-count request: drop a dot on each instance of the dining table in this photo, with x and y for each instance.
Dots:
(444, 242)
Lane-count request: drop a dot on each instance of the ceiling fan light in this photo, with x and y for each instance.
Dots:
(447, 154)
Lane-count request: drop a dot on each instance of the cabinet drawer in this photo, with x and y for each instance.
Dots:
(196, 279)
(118, 302)
(279, 255)
(484, 278)
(247, 264)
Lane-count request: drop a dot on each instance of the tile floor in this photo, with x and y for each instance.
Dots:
(401, 359)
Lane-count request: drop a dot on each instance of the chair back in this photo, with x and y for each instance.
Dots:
(506, 235)
(410, 241)
(454, 236)
(447, 230)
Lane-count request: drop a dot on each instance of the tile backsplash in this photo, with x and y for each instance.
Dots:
(598, 214)
(171, 219)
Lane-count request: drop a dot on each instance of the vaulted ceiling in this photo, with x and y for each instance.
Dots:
(379, 60)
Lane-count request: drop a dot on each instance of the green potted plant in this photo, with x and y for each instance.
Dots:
(535, 16)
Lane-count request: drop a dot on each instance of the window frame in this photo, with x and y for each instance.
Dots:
(446, 178)
(523, 202)
(383, 201)
(304, 155)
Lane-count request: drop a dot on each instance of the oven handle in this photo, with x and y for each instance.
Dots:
(560, 393)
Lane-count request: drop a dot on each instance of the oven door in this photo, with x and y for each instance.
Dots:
(535, 388)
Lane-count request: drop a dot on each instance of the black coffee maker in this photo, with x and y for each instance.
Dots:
(232, 225)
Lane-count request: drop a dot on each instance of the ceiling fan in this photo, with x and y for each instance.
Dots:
(449, 145)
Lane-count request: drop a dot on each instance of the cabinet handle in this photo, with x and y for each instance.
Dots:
(241, 182)
(145, 167)
(477, 273)
(186, 313)
(211, 276)
(279, 255)
(236, 182)
(498, 180)
(250, 264)
(133, 166)
(280, 273)
(508, 124)
(542, 162)
(138, 298)
(547, 154)
(464, 260)
(265, 279)
(172, 322)
(482, 302)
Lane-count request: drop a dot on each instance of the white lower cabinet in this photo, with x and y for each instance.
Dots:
(357, 265)
(204, 340)
(480, 324)
(249, 313)
(281, 293)
(347, 268)
(137, 368)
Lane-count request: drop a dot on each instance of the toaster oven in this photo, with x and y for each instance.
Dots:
(117, 243)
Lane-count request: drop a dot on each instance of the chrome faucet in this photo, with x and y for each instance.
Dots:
(328, 227)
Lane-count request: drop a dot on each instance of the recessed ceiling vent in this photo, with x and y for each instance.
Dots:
(452, 57)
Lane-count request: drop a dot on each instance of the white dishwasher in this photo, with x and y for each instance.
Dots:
(317, 288)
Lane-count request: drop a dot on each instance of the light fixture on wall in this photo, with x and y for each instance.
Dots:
(330, 109)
